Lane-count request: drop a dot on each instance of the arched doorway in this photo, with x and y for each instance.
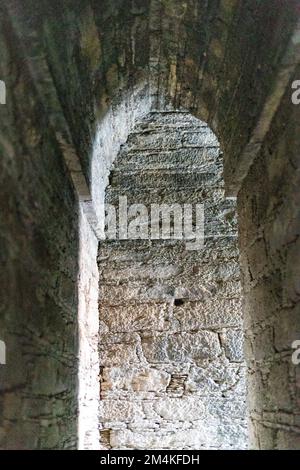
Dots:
(171, 348)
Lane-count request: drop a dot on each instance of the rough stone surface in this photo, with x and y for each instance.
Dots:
(269, 220)
(171, 355)
(88, 331)
(78, 75)
(38, 278)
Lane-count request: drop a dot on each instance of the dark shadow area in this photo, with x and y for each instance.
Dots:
(39, 268)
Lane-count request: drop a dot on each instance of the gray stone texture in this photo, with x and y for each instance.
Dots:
(39, 266)
(269, 242)
(79, 75)
(171, 355)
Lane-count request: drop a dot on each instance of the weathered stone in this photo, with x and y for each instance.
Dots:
(134, 379)
(184, 305)
(233, 344)
(151, 316)
(270, 250)
(79, 76)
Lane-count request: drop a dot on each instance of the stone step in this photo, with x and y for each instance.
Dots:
(132, 251)
(173, 139)
(141, 274)
(202, 158)
(141, 292)
(164, 179)
(167, 195)
(219, 220)
(216, 206)
(213, 232)
(178, 273)
(169, 119)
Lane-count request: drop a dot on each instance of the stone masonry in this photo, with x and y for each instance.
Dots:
(269, 221)
(171, 355)
(79, 75)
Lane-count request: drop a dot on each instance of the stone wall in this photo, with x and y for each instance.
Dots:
(78, 74)
(39, 268)
(88, 319)
(218, 59)
(171, 356)
(269, 224)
